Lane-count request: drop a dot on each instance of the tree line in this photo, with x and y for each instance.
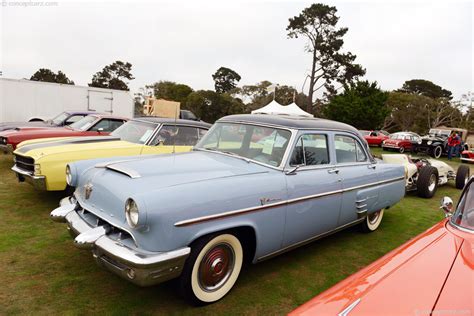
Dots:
(334, 86)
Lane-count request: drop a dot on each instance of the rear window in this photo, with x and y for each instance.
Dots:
(348, 150)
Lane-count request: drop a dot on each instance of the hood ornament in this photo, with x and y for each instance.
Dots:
(88, 190)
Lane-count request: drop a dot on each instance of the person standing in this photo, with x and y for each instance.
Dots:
(457, 145)
(451, 141)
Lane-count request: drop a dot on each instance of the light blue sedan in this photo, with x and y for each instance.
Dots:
(255, 186)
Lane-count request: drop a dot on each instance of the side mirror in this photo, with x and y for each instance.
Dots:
(447, 206)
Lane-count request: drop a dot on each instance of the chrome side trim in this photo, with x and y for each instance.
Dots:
(463, 229)
(285, 202)
(309, 240)
(349, 308)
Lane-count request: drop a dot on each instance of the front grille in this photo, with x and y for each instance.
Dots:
(25, 163)
(114, 233)
(3, 141)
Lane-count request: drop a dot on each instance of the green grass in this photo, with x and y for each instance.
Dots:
(41, 272)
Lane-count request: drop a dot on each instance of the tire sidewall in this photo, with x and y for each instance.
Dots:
(210, 297)
(437, 152)
(373, 226)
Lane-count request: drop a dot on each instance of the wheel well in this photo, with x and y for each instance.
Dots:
(36, 119)
(246, 236)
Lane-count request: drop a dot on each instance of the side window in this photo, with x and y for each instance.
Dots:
(348, 150)
(107, 125)
(310, 150)
(73, 119)
(170, 135)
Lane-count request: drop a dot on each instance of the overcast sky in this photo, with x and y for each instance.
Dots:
(187, 41)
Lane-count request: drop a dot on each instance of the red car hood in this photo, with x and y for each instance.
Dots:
(406, 281)
(16, 137)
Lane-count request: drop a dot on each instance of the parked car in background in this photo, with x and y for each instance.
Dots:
(467, 156)
(436, 142)
(43, 162)
(255, 186)
(374, 138)
(62, 119)
(91, 125)
(429, 275)
(401, 142)
(425, 175)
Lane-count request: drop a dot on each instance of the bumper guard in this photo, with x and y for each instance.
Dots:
(141, 267)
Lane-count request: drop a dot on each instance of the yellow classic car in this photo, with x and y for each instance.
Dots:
(43, 162)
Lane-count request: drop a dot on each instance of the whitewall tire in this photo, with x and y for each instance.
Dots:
(212, 268)
(372, 221)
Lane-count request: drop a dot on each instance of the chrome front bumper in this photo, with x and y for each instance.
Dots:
(138, 266)
(39, 182)
(7, 149)
(467, 159)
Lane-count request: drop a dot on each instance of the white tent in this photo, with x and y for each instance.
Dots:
(276, 108)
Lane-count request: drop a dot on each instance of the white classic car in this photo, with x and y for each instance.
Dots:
(425, 175)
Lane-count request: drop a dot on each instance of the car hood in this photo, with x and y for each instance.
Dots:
(432, 138)
(458, 290)
(404, 281)
(51, 146)
(33, 132)
(12, 125)
(157, 176)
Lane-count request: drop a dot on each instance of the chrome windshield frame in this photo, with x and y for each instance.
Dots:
(464, 192)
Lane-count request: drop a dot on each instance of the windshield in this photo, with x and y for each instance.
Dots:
(263, 144)
(135, 131)
(464, 214)
(84, 124)
(438, 132)
(58, 120)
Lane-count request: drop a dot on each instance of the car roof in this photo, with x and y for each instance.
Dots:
(164, 120)
(295, 122)
(105, 115)
(80, 112)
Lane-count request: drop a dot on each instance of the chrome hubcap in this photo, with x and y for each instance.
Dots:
(432, 182)
(216, 267)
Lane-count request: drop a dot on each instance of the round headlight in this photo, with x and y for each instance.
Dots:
(419, 142)
(68, 176)
(131, 212)
(429, 142)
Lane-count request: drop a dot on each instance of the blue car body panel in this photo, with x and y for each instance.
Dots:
(184, 196)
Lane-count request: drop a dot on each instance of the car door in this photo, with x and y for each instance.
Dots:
(359, 178)
(313, 190)
(173, 138)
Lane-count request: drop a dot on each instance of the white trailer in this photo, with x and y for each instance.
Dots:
(25, 100)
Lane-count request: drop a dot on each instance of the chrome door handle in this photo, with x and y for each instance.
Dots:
(371, 166)
(331, 171)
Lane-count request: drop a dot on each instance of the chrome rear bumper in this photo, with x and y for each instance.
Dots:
(138, 266)
(39, 182)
